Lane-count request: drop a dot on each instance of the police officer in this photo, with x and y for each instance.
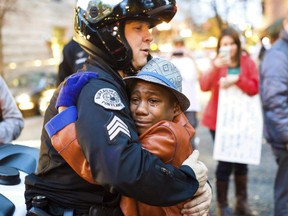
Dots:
(116, 36)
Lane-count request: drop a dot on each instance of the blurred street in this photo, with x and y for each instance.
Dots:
(31, 133)
(260, 187)
(261, 177)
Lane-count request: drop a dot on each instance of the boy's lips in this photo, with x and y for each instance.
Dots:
(141, 123)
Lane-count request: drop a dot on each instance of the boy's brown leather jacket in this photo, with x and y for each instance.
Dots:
(170, 141)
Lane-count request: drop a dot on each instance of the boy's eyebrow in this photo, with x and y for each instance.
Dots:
(146, 91)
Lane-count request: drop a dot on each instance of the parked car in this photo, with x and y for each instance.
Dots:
(28, 88)
(44, 100)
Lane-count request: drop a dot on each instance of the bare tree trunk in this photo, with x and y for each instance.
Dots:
(5, 7)
(217, 16)
(1, 51)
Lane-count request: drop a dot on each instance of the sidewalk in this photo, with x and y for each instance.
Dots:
(261, 177)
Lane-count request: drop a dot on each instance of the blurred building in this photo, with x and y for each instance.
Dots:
(274, 10)
(34, 33)
(273, 13)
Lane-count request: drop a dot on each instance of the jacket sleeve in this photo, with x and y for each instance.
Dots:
(274, 91)
(161, 141)
(109, 141)
(170, 141)
(12, 122)
(249, 77)
(208, 79)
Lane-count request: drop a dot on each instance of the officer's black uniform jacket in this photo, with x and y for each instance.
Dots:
(109, 141)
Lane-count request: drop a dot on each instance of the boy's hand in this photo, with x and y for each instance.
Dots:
(72, 87)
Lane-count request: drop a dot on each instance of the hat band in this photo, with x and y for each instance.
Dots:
(158, 76)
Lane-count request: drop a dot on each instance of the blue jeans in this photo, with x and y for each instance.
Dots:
(281, 183)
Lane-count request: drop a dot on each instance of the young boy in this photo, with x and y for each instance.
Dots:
(157, 105)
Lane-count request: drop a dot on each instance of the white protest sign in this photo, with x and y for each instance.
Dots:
(239, 127)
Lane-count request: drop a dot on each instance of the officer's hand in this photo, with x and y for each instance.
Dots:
(200, 203)
(199, 168)
(72, 87)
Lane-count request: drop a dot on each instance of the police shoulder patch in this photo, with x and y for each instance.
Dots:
(109, 99)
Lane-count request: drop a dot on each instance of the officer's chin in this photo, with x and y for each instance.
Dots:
(137, 65)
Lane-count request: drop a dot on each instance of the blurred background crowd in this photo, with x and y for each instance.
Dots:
(33, 34)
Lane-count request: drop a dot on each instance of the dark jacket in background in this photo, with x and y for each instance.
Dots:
(274, 92)
(73, 59)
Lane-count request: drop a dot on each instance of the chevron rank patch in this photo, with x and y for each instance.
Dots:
(109, 99)
(117, 126)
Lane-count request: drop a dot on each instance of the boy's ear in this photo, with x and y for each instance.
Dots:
(177, 109)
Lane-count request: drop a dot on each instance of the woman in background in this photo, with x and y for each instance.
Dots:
(230, 59)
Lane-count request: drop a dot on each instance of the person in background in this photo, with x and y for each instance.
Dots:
(274, 97)
(245, 77)
(118, 41)
(73, 59)
(260, 49)
(11, 119)
(182, 58)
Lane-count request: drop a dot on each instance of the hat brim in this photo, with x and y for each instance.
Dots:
(184, 102)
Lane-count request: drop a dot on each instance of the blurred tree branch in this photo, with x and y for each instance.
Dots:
(221, 11)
